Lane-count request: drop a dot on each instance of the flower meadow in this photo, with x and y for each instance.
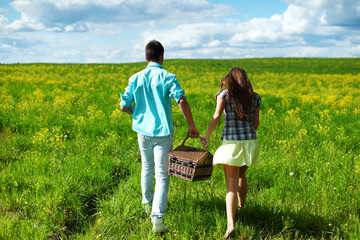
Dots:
(70, 164)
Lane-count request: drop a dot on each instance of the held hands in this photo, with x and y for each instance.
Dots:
(193, 132)
(204, 141)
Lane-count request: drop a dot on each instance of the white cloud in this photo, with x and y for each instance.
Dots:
(213, 44)
(335, 12)
(55, 15)
(117, 30)
(3, 18)
(306, 28)
(28, 25)
(191, 35)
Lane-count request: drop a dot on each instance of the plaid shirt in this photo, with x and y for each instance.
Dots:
(234, 128)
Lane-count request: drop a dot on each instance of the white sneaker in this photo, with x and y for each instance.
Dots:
(158, 225)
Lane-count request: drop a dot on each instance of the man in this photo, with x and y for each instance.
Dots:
(152, 90)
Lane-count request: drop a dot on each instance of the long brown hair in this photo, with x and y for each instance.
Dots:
(240, 88)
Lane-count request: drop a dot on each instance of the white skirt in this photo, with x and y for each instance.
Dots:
(236, 153)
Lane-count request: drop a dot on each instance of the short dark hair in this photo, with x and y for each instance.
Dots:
(154, 50)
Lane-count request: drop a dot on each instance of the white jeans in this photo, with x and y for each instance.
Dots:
(154, 157)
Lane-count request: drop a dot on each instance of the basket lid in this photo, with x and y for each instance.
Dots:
(186, 153)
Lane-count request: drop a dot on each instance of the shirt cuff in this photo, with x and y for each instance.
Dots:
(124, 102)
(178, 94)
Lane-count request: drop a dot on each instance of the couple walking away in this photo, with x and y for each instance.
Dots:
(152, 90)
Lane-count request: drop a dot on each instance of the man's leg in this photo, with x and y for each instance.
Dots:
(147, 168)
(161, 149)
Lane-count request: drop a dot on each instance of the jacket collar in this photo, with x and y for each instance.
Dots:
(154, 64)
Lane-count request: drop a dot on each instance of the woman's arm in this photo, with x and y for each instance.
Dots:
(220, 105)
(256, 121)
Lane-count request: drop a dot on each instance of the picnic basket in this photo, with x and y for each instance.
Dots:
(190, 163)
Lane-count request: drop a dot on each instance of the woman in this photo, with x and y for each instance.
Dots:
(240, 148)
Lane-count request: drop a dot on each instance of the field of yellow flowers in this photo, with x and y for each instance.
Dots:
(70, 164)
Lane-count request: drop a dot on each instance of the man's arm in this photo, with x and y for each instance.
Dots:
(128, 110)
(186, 111)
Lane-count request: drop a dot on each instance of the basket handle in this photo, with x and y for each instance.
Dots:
(187, 137)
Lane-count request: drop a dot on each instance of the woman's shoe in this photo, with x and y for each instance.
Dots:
(229, 232)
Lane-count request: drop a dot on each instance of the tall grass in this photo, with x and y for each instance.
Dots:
(70, 165)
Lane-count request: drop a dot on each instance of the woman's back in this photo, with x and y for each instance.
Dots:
(234, 127)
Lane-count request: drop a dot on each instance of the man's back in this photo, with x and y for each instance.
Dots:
(152, 90)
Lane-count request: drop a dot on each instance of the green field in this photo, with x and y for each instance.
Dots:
(70, 164)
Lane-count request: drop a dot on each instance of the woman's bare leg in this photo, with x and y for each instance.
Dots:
(232, 182)
(243, 187)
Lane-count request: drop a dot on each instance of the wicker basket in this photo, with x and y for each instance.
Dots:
(190, 163)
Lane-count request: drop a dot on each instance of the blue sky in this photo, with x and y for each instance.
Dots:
(116, 31)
